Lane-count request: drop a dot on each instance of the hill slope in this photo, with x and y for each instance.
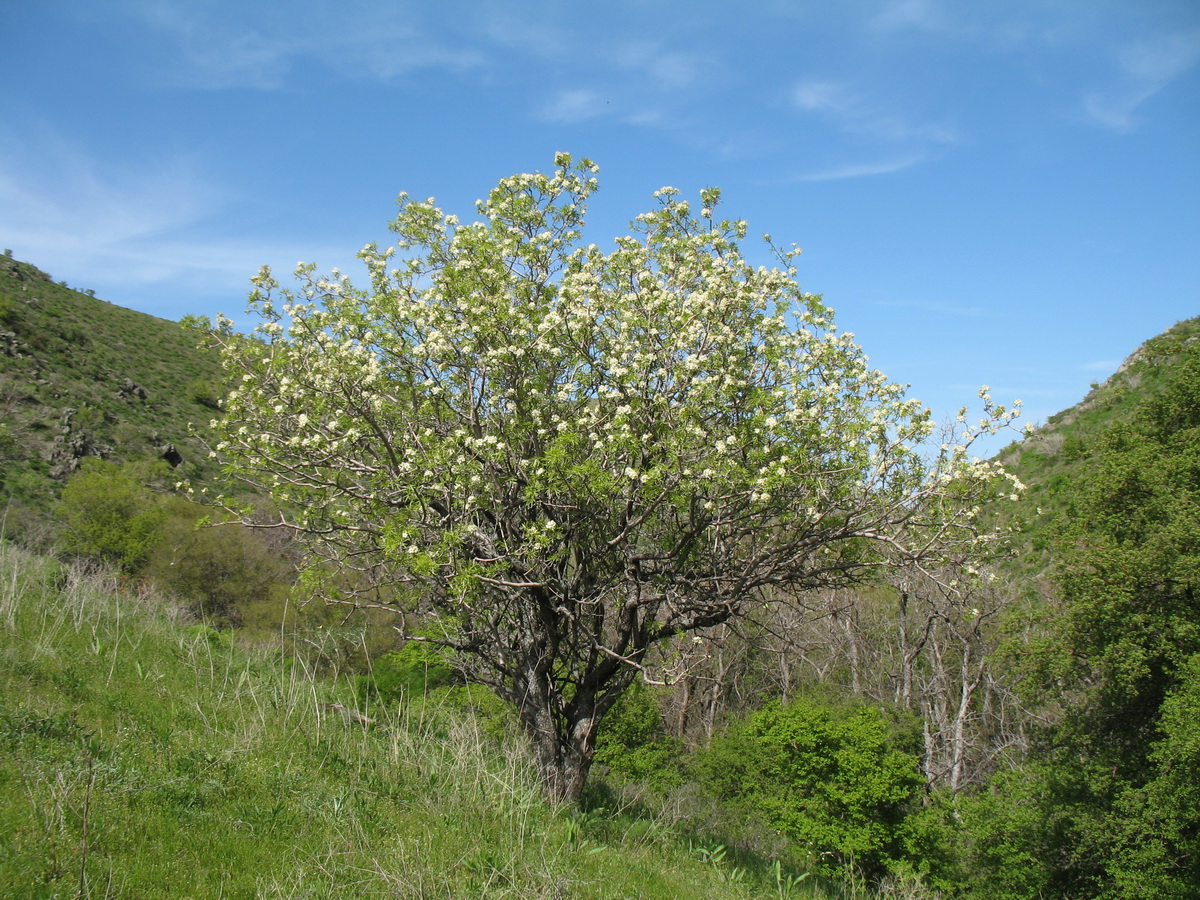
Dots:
(1050, 460)
(81, 377)
(140, 757)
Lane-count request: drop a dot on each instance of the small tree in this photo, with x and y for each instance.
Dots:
(574, 456)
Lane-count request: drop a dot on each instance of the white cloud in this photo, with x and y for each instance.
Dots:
(667, 70)
(638, 83)
(220, 45)
(920, 14)
(54, 194)
(572, 106)
(396, 49)
(122, 228)
(899, 142)
(537, 36)
(825, 96)
(994, 26)
(1146, 67)
(861, 170)
(942, 309)
(852, 112)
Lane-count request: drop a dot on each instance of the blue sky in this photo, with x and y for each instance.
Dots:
(1001, 193)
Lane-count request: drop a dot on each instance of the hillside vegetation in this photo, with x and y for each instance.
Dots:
(1050, 460)
(82, 378)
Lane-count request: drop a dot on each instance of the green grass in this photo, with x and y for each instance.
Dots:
(144, 757)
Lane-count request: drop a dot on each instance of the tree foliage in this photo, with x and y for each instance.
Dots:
(573, 456)
(634, 745)
(1111, 805)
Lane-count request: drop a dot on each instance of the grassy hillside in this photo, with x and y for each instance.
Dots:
(143, 757)
(81, 377)
(1063, 440)
(1049, 461)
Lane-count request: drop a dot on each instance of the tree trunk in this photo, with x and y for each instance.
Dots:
(907, 654)
(563, 757)
(684, 695)
(716, 686)
(848, 626)
(562, 733)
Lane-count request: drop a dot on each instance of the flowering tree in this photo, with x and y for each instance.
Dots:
(571, 456)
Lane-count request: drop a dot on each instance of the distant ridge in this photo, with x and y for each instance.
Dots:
(1048, 460)
(1112, 401)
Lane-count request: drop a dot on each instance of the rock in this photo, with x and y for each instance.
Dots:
(71, 447)
(9, 345)
(130, 390)
(171, 455)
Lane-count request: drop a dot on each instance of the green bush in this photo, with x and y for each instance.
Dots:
(633, 744)
(109, 516)
(112, 517)
(207, 392)
(1011, 835)
(1157, 826)
(829, 777)
(217, 568)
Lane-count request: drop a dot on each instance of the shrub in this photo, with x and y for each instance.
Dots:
(215, 569)
(207, 392)
(110, 517)
(829, 777)
(634, 745)
(414, 670)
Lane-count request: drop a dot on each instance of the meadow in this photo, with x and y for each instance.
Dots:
(144, 756)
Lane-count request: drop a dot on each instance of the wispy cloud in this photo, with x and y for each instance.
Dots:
(896, 141)
(55, 193)
(639, 82)
(860, 170)
(825, 96)
(854, 112)
(942, 309)
(666, 70)
(921, 14)
(1146, 68)
(992, 26)
(569, 107)
(120, 226)
(533, 35)
(220, 45)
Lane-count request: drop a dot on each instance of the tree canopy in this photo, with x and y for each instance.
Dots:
(568, 457)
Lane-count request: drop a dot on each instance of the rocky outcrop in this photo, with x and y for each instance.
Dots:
(172, 455)
(10, 345)
(72, 445)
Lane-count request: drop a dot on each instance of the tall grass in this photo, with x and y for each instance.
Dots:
(144, 757)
